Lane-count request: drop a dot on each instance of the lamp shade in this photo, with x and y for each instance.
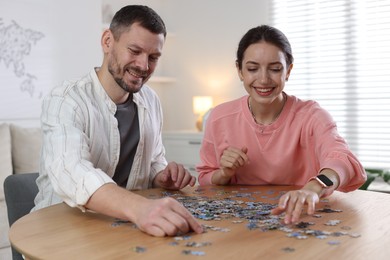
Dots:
(201, 104)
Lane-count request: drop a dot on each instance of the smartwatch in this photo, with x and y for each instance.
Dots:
(324, 181)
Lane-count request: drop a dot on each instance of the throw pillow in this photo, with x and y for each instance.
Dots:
(5, 156)
(26, 149)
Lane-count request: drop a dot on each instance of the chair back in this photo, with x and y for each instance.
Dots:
(19, 192)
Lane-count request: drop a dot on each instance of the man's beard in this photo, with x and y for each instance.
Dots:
(125, 86)
(115, 71)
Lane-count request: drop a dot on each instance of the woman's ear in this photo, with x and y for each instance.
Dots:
(289, 71)
(239, 71)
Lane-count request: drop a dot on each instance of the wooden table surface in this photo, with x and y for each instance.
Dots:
(61, 232)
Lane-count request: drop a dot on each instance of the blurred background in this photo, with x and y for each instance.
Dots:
(340, 49)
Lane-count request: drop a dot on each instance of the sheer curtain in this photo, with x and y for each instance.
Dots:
(342, 60)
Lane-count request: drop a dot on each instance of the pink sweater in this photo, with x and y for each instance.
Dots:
(297, 146)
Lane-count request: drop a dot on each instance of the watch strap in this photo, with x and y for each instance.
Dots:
(324, 181)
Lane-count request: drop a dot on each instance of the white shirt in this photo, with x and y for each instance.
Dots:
(81, 142)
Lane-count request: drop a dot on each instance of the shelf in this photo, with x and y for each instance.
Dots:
(160, 79)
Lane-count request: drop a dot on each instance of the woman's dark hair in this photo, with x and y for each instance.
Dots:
(268, 34)
(141, 14)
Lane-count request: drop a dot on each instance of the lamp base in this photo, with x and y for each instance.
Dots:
(199, 123)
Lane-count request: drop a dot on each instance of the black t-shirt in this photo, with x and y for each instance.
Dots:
(128, 125)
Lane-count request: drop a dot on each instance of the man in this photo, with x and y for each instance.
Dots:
(102, 134)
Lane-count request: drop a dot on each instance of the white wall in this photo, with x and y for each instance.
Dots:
(207, 35)
(199, 54)
(59, 41)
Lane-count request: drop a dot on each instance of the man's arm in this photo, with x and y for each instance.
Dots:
(159, 217)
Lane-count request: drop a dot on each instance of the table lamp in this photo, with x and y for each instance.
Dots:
(200, 105)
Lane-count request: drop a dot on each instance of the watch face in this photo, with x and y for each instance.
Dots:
(325, 180)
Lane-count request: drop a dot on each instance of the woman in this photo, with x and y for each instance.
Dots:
(271, 138)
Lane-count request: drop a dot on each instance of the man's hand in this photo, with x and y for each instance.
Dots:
(165, 217)
(174, 177)
(156, 217)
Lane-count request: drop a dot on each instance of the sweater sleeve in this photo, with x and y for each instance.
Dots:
(332, 151)
(209, 159)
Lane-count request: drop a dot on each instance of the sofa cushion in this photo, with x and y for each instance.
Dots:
(5, 156)
(5, 253)
(4, 226)
(26, 148)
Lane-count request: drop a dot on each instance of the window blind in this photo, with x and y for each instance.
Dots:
(342, 60)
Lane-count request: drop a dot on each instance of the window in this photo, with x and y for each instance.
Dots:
(342, 60)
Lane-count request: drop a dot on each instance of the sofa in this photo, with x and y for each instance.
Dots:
(19, 153)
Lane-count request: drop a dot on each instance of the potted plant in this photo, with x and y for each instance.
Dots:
(372, 174)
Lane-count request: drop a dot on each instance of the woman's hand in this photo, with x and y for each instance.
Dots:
(293, 203)
(231, 159)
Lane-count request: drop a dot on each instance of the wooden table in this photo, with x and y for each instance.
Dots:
(61, 232)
